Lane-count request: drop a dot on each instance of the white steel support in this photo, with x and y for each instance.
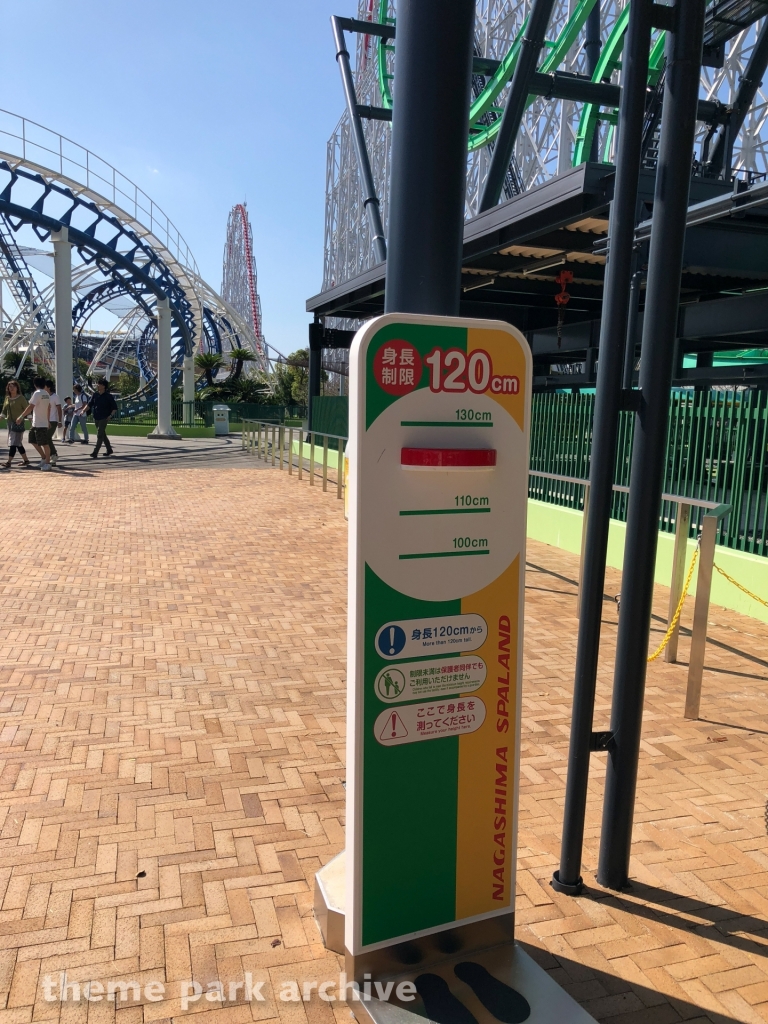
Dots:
(164, 428)
(188, 387)
(62, 283)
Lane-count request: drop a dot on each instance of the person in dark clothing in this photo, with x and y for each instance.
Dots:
(103, 407)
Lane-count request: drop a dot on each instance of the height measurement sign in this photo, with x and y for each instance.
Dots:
(438, 484)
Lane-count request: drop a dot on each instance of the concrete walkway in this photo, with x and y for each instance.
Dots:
(171, 760)
(145, 453)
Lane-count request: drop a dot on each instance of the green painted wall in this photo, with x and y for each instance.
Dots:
(561, 527)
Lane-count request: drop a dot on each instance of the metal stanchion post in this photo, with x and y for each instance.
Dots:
(258, 443)
(273, 443)
(301, 452)
(678, 575)
(340, 469)
(290, 451)
(325, 463)
(701, 609)
(281, 444)
(312, 459)
(584, 521)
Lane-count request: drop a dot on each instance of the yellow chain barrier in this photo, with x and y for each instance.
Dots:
(676, 617)
(736, 583)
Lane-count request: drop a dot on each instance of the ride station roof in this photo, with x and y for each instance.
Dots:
(514, 253)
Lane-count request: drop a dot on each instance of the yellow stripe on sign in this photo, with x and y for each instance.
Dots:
(509, 368)
(488, 759)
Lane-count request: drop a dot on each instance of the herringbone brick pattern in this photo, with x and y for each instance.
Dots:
(171, 759)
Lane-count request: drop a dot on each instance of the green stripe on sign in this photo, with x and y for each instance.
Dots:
(440, 423)
(410, 799)
(443, 511)
(447, 554)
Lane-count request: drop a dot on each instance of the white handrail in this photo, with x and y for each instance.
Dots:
(38, 145)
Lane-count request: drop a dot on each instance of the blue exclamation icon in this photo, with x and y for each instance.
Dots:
(390, 641)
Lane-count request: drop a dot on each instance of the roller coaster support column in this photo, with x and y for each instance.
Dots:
(188, 390)
(429, 166)
(607, 407)
(592, 44)
(62, 286)
(163, 428)
(527, 62)
(673, 180)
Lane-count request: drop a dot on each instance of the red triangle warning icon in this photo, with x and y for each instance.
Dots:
(393, 728)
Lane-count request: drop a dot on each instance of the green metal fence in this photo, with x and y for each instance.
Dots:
(330, 415)
(717, 449)
(144, 414)
(200, 414)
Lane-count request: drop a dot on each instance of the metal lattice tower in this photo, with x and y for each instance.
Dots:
(238, 282)
(547, 141)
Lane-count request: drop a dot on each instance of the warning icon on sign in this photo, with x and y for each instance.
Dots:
(393, 728)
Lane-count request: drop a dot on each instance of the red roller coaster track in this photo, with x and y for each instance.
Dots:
(252, 293)
(238, 282)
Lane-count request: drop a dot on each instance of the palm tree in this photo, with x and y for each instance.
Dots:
(12, 360)
(208, 363)
(238, 357)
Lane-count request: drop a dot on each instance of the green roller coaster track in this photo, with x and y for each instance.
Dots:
(481, 134)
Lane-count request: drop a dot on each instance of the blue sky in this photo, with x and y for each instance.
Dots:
(202, 104)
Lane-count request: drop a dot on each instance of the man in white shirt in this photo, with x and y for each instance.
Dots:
(55, 416)
(39, 434)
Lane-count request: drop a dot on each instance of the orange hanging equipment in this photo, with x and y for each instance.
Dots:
(564, 278)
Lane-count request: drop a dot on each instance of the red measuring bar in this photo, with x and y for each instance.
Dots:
(448, 458)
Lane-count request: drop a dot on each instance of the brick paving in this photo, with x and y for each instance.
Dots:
(171, 760)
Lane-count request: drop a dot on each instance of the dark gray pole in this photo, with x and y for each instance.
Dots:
(665, 262)
(527, 61)
(592, 44)
(607, 406)
(634, 312)
(314, 377)
(433, 73)
(370, 199)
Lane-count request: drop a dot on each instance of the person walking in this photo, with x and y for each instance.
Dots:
(14, 405)
(55, 417)
(39, 435)
(103, 407)
(79, 416)
(68, 411)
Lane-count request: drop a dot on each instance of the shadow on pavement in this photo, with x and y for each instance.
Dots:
(609, 998)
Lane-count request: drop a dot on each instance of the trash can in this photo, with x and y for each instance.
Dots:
(220, 420)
